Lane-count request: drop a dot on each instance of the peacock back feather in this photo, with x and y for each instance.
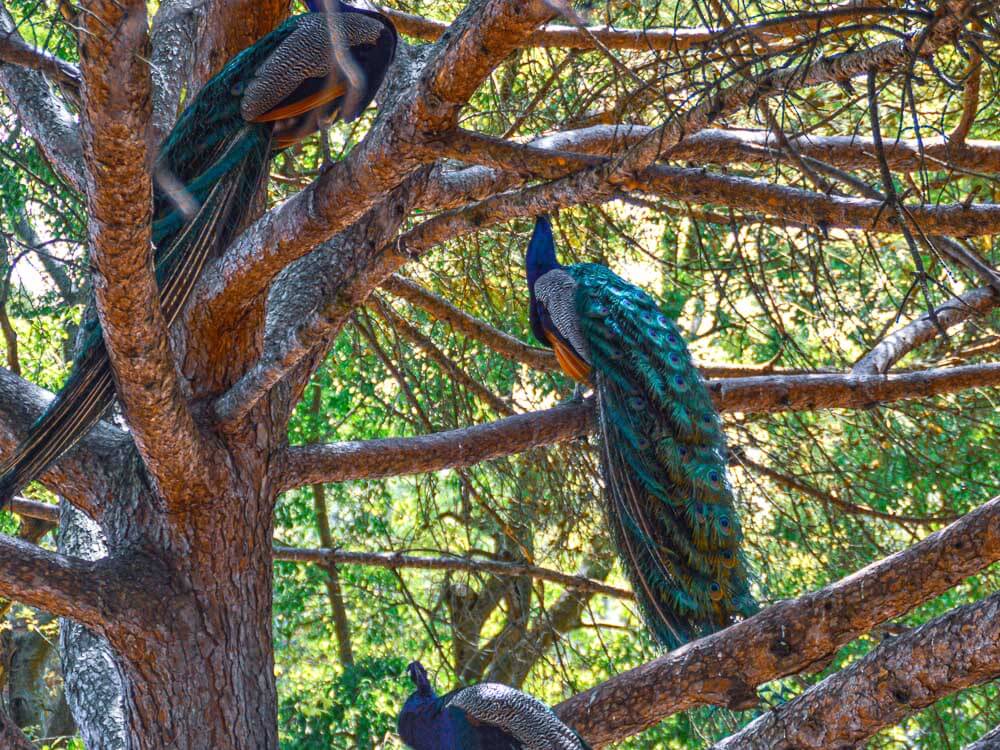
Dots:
(663, 455)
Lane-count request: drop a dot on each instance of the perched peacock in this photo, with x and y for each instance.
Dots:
(315, 68)
(488, 716)
(663, 452)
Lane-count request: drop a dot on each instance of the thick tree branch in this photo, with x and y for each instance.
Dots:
(561, 153)
(806, 207)
(899, 343)
(117, 107)
(42, 113)
(901, 676)
(16, 51)
(89, 592)
(396, 560)
(669, 40)
(376, 459)
(786, 638)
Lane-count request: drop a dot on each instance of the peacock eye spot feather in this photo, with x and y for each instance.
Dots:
(715, 591)
(637, 403)
(714, 477)
(672, 338)
(673, 358)
(724, 523)
(679, 383)
(662, 320)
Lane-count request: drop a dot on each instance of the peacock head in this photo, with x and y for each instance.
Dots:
(420, 721)
(541, 255)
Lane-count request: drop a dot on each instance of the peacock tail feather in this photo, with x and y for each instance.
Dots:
(663, 456)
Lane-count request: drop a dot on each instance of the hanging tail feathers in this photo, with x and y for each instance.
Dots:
(183, 248)
(663, 459)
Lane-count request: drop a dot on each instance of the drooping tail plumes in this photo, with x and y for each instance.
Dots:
(663, 456)
(210, 168)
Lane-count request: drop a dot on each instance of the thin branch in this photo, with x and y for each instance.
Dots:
(898, 678)
(469, 326)
(669, 40)
(990, 741)
(377, 459)
(826, 498)
(786, 638)
(970, 98)
(396, 560)
(416, 337)
(881, 358)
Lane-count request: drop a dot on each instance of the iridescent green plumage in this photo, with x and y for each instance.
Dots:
(663, 454)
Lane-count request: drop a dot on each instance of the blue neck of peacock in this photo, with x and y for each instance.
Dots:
(541, 255)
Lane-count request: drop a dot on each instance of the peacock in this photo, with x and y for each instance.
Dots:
(312, 70)
(488, 716)
(668, 499)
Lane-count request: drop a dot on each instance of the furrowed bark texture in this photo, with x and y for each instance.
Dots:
(786, 638)
(901, 676)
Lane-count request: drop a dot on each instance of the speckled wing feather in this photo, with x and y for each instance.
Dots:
(663, 456)
(525, 718)
(306, 53)
(556, 291)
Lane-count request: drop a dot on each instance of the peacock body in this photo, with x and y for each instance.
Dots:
(488, 716)
(669, 503)
(211, 165)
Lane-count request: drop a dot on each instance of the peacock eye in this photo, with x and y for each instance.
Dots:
(662, 320)
(715, 591)
(707, 418)
(638, 403)
(672, 338)
(679, 382)
(724, 523)
(713, 477)
(673, 358)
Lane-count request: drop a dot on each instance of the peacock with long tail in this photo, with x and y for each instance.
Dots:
(312, 70)
(488, 716)
(668, 503)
